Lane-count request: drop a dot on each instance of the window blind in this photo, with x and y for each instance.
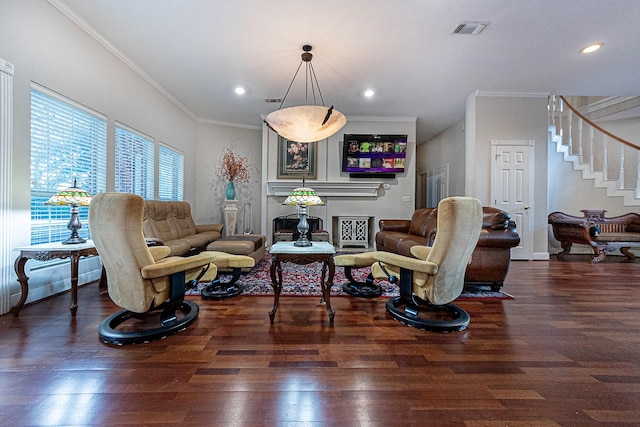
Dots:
(67, 141)
(134, 169)
(170, 174)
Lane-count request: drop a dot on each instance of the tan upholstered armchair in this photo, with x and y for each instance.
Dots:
(141, 279)
(435, 277)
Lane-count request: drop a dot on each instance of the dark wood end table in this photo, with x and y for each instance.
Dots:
(46, 252)
(319, 252)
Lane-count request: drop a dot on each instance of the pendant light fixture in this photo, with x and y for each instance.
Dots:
(309, 122)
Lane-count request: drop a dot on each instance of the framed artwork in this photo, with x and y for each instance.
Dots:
(296, 160)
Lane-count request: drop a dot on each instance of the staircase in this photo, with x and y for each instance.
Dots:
(611, 162)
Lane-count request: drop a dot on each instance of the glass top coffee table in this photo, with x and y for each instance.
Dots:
(319, 252)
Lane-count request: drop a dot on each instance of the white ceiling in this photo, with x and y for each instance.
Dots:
(197, 51)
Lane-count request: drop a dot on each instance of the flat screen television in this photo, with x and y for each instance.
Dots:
(369, 155)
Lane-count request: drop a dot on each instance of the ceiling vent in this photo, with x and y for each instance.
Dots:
(470, 27)
(272, 100)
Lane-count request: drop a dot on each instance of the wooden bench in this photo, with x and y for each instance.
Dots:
(594, 229)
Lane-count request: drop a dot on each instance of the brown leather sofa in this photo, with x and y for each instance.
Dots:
(490, 259)
(170, 224)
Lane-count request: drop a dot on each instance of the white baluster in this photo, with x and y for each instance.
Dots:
(561, 129)
(637, 174)
(621, 172)
(570, 141)
(580, 140)
(591, 148)
(605, 162)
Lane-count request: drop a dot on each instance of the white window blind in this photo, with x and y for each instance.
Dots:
(170, 174)
(134, 163)
(68, 141)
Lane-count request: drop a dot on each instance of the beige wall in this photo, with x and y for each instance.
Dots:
(210, 194)
(446, 148)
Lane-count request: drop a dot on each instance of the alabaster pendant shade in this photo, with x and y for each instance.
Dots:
(312, 121)
(306, 123)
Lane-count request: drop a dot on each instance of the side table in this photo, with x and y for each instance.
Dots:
(46, 252)
(319, 252)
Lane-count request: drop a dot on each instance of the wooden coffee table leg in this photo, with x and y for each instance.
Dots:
(326, 286)
(276, 282)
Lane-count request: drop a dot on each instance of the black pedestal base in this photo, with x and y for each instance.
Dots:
(218, 290)
(170, 323)
(366, 289)
(427, 317)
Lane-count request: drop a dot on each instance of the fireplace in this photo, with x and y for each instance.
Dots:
(285, 228)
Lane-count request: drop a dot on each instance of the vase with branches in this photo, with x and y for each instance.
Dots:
(232, 168)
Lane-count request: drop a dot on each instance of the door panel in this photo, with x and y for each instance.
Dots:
(512, 190)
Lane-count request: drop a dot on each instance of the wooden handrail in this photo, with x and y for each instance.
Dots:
(609, 134)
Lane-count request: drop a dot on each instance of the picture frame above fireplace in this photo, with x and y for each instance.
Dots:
(297, 160)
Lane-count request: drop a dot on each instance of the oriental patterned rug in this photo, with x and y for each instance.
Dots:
(304, 280)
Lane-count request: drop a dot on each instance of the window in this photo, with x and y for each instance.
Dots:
(170, 174)
(68, 141)
(134, 163)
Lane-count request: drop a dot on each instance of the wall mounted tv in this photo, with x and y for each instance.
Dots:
(373, 156)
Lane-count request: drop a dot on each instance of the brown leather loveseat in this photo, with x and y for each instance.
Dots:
(490, 259)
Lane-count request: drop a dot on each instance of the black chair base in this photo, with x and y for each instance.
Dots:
(218, 290)
(169, 324)
(428, 317)
(366, 289)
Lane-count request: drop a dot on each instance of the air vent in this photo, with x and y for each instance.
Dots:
(272, 100)
(470, 27)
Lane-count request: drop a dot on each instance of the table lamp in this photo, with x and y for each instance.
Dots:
(75, 197)
(303, 197)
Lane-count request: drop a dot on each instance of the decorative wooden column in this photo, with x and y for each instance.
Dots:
(230, 217)
(6, 182)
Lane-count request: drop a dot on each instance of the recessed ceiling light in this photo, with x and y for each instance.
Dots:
(591, 48)
(240, 90)
(369, 93)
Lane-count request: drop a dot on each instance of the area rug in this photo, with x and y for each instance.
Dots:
(304, 280)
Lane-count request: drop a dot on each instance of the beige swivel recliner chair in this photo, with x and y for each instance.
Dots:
(435, 277)
(142, 279)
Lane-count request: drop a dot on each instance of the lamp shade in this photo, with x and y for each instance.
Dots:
(303, 196)
(75, 197)
(72, 196)
(306, 123)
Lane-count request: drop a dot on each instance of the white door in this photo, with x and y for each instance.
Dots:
(512, 189)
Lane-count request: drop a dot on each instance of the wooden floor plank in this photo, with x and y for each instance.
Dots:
(564, 352)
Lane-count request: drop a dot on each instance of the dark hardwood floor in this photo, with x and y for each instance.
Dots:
(564, 352)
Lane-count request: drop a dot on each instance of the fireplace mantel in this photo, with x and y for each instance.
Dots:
(325, 188)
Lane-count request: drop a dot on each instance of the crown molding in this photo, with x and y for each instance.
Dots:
(233, 125)
(513, 94)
